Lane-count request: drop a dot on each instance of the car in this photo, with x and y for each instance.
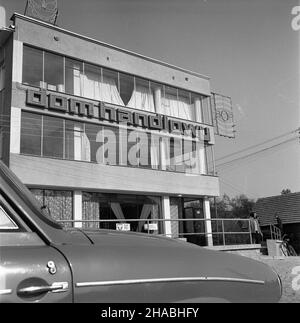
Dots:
(42, 262)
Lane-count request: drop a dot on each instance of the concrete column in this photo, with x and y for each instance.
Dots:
(77, 209)
(208, 226)
(15, 130)
(17, 61)
(166, 214)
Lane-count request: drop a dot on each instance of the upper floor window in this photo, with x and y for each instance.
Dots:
(58, 73)
(33, 66)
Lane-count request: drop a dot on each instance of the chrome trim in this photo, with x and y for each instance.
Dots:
(5, 291)
(165, 280)
(54, 288)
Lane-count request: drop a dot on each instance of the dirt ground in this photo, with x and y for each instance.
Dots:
(284, 267)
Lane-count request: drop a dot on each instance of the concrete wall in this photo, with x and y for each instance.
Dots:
(7, 56)
(90, 176)
(39, 34)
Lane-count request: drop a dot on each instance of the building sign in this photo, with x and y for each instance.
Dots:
(223, 115)
(72, 106)
(123, 226)
(151, 226)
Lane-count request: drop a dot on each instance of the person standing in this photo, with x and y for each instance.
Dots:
(255, 229)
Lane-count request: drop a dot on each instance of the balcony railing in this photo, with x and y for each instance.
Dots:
(222, 231)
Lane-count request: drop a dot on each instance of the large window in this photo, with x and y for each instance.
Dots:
(59, 138)
(31, 134)
(58, 73)
(74, 77)
(56, 204)
(33, 66)
(53, 137)
(129, 212)
(54, 72)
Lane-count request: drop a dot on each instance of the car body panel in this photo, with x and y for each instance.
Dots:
(129, 267)
(26, 267)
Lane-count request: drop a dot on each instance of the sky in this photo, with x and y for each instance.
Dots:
(249, 50)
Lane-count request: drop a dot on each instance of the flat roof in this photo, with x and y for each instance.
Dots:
(42, 23)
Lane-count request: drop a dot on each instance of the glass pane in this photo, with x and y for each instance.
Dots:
(53, 139)
(2, 77)
(76, 147)
(206, 110)
(170, 102)
(5, 221)
(54, 72)
(186, 109)
(158, 91)
(91, 132)
(110, 87)
(142, 98)
(32, 66)
(31, 133)
(73, 76)
(209, 160)
(92, 82)
(126, 89)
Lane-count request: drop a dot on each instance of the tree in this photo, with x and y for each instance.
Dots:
(286, 191)
(237, 207)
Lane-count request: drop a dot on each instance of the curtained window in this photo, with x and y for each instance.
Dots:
(142, 96)
(109, 87)
(74, 76)
(177, 103)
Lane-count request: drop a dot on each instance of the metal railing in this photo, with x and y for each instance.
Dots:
(275, 232)
(222, 231)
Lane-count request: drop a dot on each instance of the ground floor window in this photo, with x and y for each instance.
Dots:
(190, 215)
(58, 204)
(137, 213)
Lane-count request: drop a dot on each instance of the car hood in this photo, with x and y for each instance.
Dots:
(117, 256)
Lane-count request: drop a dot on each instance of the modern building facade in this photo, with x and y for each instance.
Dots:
(98, 132)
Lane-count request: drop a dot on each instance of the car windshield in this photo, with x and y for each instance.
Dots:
(23, 192)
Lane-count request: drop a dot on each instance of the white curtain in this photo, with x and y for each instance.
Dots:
(146, 210)
(142, 99)
(109, 91)
(178, 107)
(154, 152)
(116, 207)
(85, 148)
(103, 90)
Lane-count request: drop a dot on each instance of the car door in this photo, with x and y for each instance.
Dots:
(30, 270)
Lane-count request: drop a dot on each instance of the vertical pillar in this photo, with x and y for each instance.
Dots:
(208, 227)
(17, 61)
(77, 210)
(15, 130)
(167, 215)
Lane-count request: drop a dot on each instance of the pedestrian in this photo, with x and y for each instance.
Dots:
(256, 232)
(278, 223)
